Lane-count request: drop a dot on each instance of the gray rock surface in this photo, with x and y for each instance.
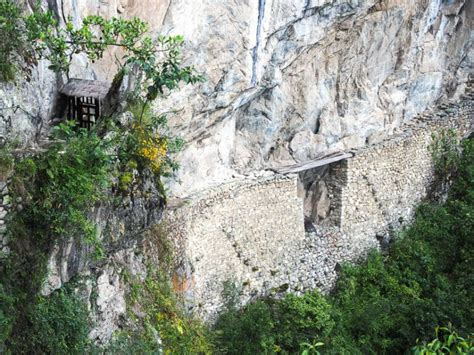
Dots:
(251, 234)
(277, 70)
(26, 105)
(101, 282)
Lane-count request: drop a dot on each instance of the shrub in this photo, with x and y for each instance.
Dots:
(247, 331)
(59, 324)
(269, 326)
(300, 319)
(59, 187)
(447, 341)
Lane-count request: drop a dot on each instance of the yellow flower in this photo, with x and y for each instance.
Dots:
(154, 150)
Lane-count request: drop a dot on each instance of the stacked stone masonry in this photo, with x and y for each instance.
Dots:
(249, 235)
(377, 190)
(4, 207)
(240, 234)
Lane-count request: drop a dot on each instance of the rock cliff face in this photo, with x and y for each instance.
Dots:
(286, 80)
(122, 230)
(290, 80)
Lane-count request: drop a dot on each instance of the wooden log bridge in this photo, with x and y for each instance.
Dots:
(311, 164)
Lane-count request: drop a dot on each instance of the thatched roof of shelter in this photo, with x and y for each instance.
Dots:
(86, 88)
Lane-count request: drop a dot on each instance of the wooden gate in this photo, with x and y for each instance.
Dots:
(85, 110)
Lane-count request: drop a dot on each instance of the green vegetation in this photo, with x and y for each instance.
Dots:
(55, 190)
(57, 324)
(40, 36)
(159, 60)
(60, 324)
(11, 44)
(381, 306)
(58, 188)
(446, 154)
(179, 333)
(447, 341)
(156, 65)
(52, 194)
(146, 144)
(385, 304)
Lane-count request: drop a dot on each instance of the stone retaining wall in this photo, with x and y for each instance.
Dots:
(4, 207)
(249, 234)
(241, 234)
(377, 190)
(248, 238)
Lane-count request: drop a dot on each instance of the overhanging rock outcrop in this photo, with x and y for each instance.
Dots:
(248, 238)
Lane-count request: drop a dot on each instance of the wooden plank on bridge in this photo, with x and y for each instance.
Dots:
(311, 164)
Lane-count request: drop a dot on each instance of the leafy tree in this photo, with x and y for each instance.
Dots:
(158, 60)
(146, 142)
(447, 341)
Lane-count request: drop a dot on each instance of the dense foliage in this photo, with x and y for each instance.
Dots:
(11, 44)
(53, 191)
(385, 304)
(447, 341)
(59, 324)
(56, 189)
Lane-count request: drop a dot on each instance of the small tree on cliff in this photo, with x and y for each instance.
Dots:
(157, 61)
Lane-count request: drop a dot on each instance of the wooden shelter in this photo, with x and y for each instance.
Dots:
(84, 100)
